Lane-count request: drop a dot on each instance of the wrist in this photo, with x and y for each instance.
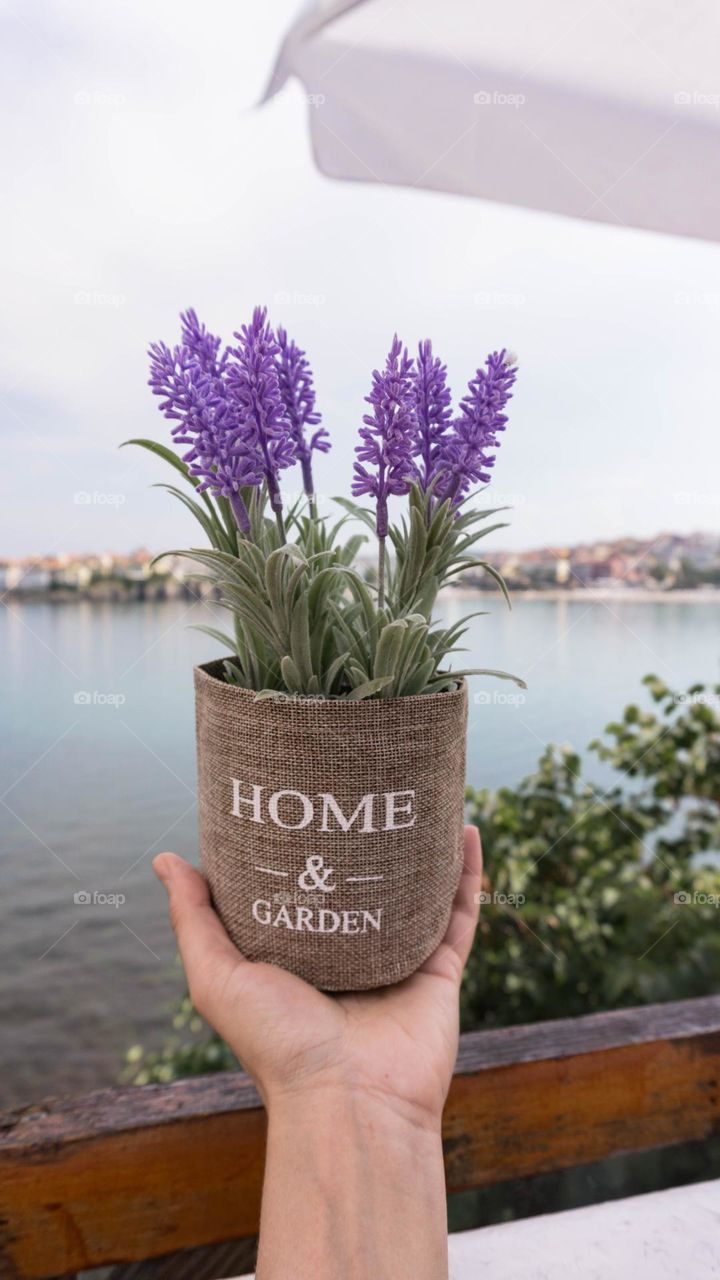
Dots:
(373, 1186)
(318, 1106)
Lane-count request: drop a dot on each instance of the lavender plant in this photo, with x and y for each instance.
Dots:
(387, 442)
(298, 396)
(303, 619)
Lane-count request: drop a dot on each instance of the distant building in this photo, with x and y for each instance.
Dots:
(76, 576)
(19, 577)
(563, 568)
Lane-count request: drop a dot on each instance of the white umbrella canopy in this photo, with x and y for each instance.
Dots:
(604, 111)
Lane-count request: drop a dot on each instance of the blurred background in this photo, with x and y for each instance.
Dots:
(139, 177)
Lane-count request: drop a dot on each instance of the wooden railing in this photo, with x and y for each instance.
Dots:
(127, 1174)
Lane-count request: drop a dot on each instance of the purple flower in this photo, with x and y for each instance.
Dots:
(259, 422)
(191, 397)
(387, 440)
(298, 396)
(462, 458)
(202, 345)
(432, 409)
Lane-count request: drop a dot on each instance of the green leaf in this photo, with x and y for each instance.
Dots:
(488, 671)
(360, 513)
(414, 648)
(370, 615)
(169, 455)
(389, 647)
(289, 549)
(321, 585)
(252, 610)
(277, 593)
(214, 634)
(333, 671)
(419, 678)
(216, 535)
(441, 682)
(300, 639)
(496, 577)
(356, 675)
(348, 553)
(291, 675)
(370, 687)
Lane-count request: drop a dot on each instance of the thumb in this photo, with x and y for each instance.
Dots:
(207, 953)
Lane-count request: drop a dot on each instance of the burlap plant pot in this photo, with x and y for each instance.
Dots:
(331, 832)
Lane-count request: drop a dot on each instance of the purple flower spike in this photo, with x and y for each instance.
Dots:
(254, 391)
(298, 396)
(432, 408)
(387, 441)
(462, 457)
(191, 399)
(200, 344)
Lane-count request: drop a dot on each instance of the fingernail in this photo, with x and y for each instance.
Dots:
(162, 870)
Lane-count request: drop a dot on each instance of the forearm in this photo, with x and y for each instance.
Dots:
(353, 1190)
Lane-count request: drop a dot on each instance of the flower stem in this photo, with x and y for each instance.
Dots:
(280, 524)
(452, 489)
(240, 512)
(309, 485)
(275, 497)
(381, 573)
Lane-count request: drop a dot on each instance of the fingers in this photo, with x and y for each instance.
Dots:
(207, 952)
(466, 906)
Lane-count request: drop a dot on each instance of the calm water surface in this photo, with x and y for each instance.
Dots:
(97, 767)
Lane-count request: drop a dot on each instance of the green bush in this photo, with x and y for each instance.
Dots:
(600, 898)
(192, 1050)
(593, 898)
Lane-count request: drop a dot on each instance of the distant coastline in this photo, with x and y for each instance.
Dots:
(671, 566)
(619, 595)
(149, 592)
(111, 593)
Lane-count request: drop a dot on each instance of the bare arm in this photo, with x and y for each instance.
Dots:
(354, 1086)
(352, 1191)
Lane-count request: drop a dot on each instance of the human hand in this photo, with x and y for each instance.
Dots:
(354, 1087)
(396, 1045)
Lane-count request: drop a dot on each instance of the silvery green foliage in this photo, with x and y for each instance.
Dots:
(302, 620)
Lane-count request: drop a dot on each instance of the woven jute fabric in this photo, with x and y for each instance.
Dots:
(331, 832)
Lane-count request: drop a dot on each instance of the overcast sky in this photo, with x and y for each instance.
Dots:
(136, 179)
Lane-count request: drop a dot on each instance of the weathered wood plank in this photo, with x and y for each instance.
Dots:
(564, 1037)
(128, 1174)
